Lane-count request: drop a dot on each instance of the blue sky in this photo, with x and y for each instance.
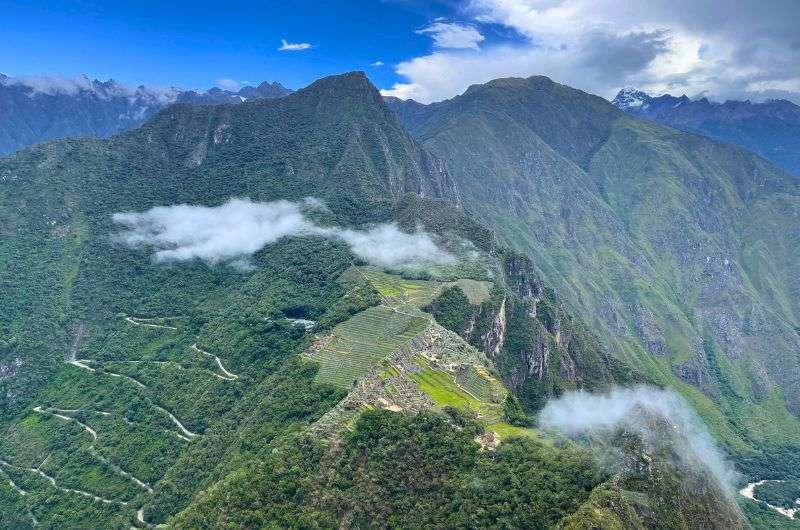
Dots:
(430, 50)
(192, 44)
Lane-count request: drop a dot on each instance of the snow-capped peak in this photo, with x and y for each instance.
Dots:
(629, 98)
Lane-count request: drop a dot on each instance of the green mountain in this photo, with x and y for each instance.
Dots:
(309, 386)
(678, 251)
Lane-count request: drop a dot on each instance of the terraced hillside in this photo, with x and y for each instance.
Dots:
(359, 344)
(396, 357)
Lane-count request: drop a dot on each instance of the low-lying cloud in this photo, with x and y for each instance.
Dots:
(234, 231)
(388, 247)
(636, 409)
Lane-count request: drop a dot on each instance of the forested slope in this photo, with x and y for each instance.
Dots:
(309, 384)
(678, 251)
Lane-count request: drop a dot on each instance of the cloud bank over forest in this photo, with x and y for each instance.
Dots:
(657, 415)
(237, 229)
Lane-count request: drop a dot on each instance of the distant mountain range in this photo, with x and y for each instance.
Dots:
(37, 109)
(771, 129)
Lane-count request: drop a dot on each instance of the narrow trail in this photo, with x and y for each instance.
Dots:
(92, 449)
(129, 378)
(143, 322)
(80, 364)
(88, 429)
(177, 422)
(20, 491)
(54, 483)
(165, 431)
(749, 492)
(11, 483)
(179, 366)
(118, 470)
(230, 376)
(75, 411)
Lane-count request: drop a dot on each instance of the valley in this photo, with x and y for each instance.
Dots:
(329, 377)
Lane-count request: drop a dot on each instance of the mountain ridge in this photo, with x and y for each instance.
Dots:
(620, 194)
(769, 128)
(347, 385)
(37, 109)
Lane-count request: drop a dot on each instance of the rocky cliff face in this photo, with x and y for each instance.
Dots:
(539, 349)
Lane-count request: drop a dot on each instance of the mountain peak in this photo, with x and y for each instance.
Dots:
(629, 98)
(266, 90)
(343, 89)
(349, 80)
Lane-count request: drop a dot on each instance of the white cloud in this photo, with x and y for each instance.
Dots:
(231, 84)
(234, 231)
(677, 46)
(386, 246)
(453, 35)
(293, 46)
(377, 63)
(659, 416)
(53, 84)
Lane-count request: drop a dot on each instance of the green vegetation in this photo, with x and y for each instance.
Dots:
(186, 393)
(452, 309)
(361, 343)
(396, 470)
(678, 252)
(445, 392)
(784, 494)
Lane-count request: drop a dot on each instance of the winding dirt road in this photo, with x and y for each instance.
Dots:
(177, 422)
(143, 322)
(230, 376)
(53, 483)
(118, 470)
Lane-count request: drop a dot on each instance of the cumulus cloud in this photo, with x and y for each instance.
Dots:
(678, 46)
(636, 409)
(453, 35)
(377, 63)
(234, 231)
(293, 46)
